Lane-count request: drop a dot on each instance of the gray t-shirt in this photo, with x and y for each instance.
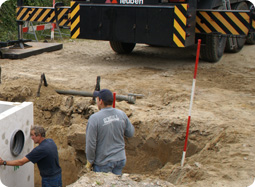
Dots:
(105, 136)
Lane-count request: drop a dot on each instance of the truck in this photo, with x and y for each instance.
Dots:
(222, 25)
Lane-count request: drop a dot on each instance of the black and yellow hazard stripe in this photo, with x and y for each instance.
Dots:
(36, 14)
(253, 24)
(44, 14)
(63, 16)
(75, 19)
(180, 22)
(225, 22)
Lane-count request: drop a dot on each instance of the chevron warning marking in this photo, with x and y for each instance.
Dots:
(180, 22)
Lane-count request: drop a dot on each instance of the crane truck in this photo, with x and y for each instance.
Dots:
(222, 25)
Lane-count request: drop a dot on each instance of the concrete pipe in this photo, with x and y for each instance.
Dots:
(129, 98)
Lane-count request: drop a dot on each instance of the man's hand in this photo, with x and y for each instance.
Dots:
(1, 161)
(88, 166)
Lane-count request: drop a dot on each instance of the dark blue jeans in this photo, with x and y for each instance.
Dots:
(55, 181)
(114, 167)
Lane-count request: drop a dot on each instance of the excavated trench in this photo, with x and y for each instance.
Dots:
(145, 153)
(154, 154)
(65, 119)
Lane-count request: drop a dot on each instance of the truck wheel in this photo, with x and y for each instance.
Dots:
(250, 38)
(214, 47)
(237, 42)
(121, 47)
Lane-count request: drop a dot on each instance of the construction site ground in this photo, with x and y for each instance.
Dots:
(221, 145)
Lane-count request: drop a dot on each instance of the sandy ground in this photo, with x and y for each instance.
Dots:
(221, 144)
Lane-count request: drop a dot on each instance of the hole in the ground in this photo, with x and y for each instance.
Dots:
(67, 125)
(154, 154)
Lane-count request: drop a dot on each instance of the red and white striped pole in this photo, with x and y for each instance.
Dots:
(52, 28)
(191, 102)
(114, 99)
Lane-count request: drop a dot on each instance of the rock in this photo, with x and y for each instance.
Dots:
(25, 91)
(76, 136)
(125, 107)
(47, 114)
(66, 104)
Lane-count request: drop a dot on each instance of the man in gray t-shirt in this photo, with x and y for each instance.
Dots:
(105, 144)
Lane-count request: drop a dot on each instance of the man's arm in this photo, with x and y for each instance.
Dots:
(19, 162)
(91, 141)
(130, 130)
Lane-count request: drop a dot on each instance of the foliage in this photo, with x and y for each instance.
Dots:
(8, 24)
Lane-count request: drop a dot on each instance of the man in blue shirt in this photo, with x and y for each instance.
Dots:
(46, 157)
(106, 129)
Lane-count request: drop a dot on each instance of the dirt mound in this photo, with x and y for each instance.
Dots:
(108, 179)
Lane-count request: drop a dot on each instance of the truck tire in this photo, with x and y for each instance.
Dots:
(213, 49)
(238, 42)
(251, 36)
(121, 47)
(250, 39)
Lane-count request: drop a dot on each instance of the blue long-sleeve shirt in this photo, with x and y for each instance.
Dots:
(105, 136)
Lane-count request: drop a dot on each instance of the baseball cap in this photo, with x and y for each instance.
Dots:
(104, 94)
